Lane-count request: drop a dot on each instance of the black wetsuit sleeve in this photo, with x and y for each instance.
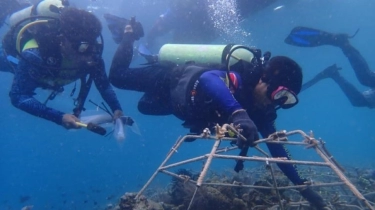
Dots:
(104, 87)
(279, 150)
(23, 87)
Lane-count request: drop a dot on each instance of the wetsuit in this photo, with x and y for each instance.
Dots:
(364, 75)
(208, 100)
(32, 73)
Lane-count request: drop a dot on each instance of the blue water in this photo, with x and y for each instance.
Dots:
(62, 169)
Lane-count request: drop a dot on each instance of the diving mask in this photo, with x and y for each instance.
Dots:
(284, 98)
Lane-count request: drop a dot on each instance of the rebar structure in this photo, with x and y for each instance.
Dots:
(280, 137)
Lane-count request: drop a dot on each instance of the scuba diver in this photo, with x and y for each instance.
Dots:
(51, 52)
(242, 90)
(189, 20)
(309, 37)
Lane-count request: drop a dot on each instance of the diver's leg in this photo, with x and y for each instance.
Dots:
(290, 170)
(146, 79)
(355, 97)
(155, 104)
(364, 75)
(143, 79)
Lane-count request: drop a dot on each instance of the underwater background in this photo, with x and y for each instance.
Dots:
(44, 165)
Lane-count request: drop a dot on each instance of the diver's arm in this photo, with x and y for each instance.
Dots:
(104, 87)
(22, 91)
(213, 85)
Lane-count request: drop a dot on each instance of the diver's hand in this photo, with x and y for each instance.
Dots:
(135, 28)
(242, 121)
(69, 121)
(117, 114)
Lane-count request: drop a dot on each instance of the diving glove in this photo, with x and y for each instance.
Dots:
(241, 120)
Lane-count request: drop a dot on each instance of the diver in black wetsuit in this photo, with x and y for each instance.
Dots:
(308, 37)
(202, 96)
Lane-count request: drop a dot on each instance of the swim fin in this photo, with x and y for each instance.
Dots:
(146, 53)
(309, 37)
(116, 25)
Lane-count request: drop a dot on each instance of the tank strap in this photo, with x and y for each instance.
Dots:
(226, 52)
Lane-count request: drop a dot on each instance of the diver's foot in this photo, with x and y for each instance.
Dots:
(339, 40)
(151, 58)
(330, 72)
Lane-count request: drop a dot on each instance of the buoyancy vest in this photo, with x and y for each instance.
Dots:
(184, 90)
(181, 90)
(66, 75)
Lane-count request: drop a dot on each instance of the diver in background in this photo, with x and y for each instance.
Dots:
(202, 96)
(308, 37)
(189, 20)
(356, 97)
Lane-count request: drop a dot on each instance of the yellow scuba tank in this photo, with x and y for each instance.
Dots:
(227, 55)
(40, 9)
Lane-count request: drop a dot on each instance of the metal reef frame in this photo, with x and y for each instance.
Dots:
(280, 137)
